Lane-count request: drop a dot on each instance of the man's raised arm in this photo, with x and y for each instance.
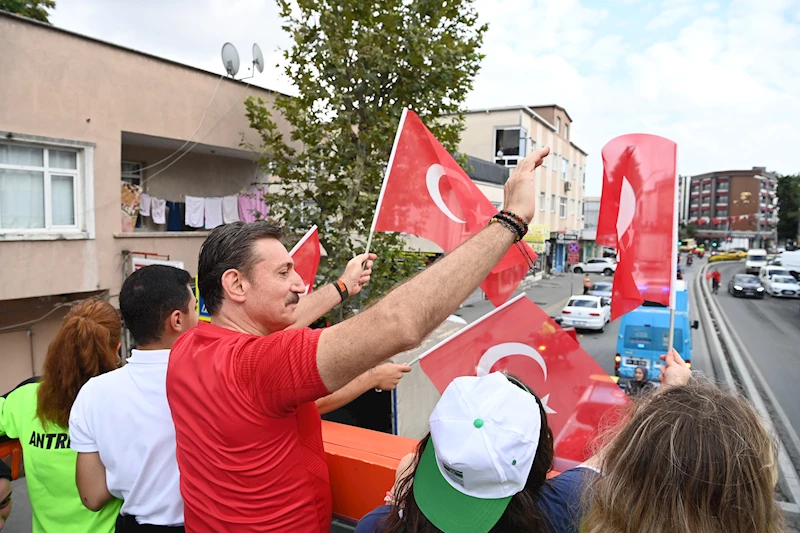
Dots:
(405, 316)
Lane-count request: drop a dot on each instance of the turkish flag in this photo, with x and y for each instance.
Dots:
(520, 339)
(306, 254)
(638, 218)
(427, 194)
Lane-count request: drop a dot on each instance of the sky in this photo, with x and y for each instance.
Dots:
(720, 78)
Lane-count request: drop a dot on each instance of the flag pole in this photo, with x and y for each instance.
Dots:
(386, 179)
(674, 277)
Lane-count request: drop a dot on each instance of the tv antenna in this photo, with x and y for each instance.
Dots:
(230, 60)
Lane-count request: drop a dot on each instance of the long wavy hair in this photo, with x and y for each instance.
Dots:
(522, 513)
(84, 347)
(690, 458)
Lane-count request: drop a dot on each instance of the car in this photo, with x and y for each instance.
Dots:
(723, 256)
(783, 286)
(598, 265)
(767, 272)
(601, 289)
(586, 312)
(745, 285)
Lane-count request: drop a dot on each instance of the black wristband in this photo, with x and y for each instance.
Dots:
(341, 288)
(513, 225)
(510, 226)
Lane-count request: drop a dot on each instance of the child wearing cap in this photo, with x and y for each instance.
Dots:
(483, 468)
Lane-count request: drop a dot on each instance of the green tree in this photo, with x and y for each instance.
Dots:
(789, 207)
(356, 64)
(687, 231)
(34, 9)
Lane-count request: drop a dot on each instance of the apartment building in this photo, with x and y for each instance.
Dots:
(505, 135)
(740, 204)
(83, 124)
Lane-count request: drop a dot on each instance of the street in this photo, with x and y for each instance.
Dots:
(770, 332)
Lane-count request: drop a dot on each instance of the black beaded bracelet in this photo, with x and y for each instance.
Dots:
(511, 226)
(515, 216)
(519, 229)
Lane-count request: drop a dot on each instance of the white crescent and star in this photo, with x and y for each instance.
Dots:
(432, 178)
(500, 351)
(627, 208)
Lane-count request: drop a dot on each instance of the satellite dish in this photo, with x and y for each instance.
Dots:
(258, 58)
(230, 59)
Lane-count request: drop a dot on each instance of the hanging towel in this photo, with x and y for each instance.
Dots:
(195, 211)
(158, 210)
(252, 205)
(175, 216)
(213, 207)
(144, 205)
(131, 196)
(230, 209)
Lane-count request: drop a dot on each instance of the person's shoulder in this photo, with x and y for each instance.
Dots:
(561, 498)
(374, 521)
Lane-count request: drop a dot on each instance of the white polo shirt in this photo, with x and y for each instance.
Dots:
(125, 416)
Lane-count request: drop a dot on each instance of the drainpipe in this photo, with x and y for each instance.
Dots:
(30, 344)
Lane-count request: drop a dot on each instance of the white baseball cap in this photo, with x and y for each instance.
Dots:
(484, 435)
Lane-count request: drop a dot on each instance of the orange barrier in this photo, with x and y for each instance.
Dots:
(362, 465)
(13, 449)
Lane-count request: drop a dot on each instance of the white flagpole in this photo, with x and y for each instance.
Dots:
(386, 178)
(674, 277)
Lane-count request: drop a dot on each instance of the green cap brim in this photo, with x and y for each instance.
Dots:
(448, 509)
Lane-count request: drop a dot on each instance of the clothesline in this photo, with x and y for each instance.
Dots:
(195, 213)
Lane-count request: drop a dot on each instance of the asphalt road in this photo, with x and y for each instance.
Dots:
(770, 330)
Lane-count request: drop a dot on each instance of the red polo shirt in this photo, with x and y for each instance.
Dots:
(249, 438)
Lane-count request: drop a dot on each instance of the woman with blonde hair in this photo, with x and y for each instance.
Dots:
(692, 457)
(38, 415)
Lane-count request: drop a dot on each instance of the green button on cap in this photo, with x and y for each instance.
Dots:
(478, 423)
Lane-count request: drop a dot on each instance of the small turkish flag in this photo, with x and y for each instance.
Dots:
(639, 219)
(427, 194)
(306, 254)
(520, 339)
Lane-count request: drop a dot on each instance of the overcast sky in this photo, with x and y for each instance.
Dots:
(721, 78)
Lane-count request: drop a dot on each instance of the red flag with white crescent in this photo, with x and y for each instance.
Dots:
(427, 194)
(519, 338)
(638, 217)
(306, 254)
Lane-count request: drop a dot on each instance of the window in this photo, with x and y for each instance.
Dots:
(722, 212)
(510, 146)
(555, 161)
(497, 205)
(695, 202)
(706, 187)
(38, 188)
(564, 167)
(562, 207)
(566, 131)
(132, 172)
(722, 199)
(574, 171)
(572, 207)
(552, 203)
(722, 186)
(542, 201)
(558, 126)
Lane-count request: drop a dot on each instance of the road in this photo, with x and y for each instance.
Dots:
(770, 330)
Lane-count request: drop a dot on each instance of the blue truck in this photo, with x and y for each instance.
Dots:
(644, 334)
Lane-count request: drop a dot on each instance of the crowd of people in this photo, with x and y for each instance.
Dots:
(215, 426)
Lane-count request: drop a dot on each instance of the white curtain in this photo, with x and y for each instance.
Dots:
(21, 199)
(62, 202)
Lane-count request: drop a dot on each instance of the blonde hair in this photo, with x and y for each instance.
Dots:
(691, 458)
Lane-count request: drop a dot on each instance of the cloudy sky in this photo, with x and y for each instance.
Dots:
(721, 78)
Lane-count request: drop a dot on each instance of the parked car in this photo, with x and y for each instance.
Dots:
(587, 312)
(782, 286)
(745, 285)
(602, 289)
(598, 265)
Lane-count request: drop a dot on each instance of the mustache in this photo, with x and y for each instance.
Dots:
(292, 298)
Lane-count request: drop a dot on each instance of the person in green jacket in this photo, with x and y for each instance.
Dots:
(38, 415)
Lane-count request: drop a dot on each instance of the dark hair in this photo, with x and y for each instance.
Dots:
(522, 513)
(229, 247)
(149, 296)
(84, 347)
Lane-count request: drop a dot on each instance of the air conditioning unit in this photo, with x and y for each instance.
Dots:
(567, 186)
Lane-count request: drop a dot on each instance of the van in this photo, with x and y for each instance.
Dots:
(644, 335)
(790, 261)
(756, 258)
(766, 272)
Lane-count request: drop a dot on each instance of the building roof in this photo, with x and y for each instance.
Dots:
(760, 171)
(43, 25)
(486, 171)
(553, 105)
(530, 112)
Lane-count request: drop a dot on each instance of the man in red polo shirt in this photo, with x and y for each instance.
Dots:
(242, 389)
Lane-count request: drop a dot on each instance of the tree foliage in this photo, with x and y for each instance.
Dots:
(356, 64)
(34, 9)
(788, 207)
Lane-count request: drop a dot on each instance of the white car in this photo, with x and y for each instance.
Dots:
(586, 312)
(598, 265)
(782, 286)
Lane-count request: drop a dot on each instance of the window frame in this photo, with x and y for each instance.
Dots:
(82, 175)
(542, 201)
(552, 203)
(522, 146)
(562, 207)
